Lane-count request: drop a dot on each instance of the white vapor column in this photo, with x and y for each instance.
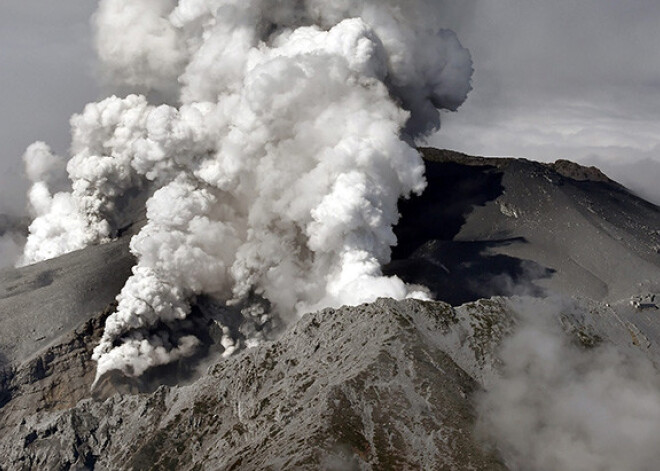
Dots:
(274, 168)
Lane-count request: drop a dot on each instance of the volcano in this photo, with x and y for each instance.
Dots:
(386, 385)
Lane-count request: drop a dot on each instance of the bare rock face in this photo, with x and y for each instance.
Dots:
(56, 379)
(357, 388)
(388, 385)
(579, 172)
(43, 303)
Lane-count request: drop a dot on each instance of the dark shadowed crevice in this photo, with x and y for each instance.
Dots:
(6, 388)
(439, 213)
(460, 272)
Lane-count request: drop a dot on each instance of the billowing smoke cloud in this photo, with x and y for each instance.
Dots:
(47, 174)
(58, 225)
(278, 173)
(559, 405)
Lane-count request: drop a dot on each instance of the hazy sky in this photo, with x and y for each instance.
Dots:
(46, 74)
(576, 79)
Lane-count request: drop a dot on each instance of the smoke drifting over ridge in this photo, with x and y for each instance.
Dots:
(278, 172)
(558, 405)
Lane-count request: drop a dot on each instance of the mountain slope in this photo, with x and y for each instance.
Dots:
(500, 226)
(357, 388)
(43, 302)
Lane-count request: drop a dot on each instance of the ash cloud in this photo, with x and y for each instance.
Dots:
(278, 171)
(559, 405)
(47, 174)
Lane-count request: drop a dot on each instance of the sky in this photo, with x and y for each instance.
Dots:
(575, 79)
(46, 74)
(553, 79)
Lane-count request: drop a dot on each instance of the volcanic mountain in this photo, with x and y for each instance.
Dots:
(497, 226)
(387, 385)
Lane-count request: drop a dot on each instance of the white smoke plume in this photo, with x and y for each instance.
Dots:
(58, 227)
(560, 406)
(278, 172)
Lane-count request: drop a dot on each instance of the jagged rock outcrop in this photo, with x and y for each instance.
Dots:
(54, 380)
(389, 385)
(356, 388)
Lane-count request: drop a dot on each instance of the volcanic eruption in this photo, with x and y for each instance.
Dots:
(268, 140)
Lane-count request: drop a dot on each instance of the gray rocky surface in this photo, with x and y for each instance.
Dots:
(387, 385)
(41, 303)
(356, 388)
(511, 226)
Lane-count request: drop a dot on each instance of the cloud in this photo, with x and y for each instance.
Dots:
(559, 405)
(561, 80)
(639, 175)
(12, 240)
(58, 226)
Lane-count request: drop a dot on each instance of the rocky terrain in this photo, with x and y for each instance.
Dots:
(509, 226)
(43, 302)
(366, 386)
(388, 385)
